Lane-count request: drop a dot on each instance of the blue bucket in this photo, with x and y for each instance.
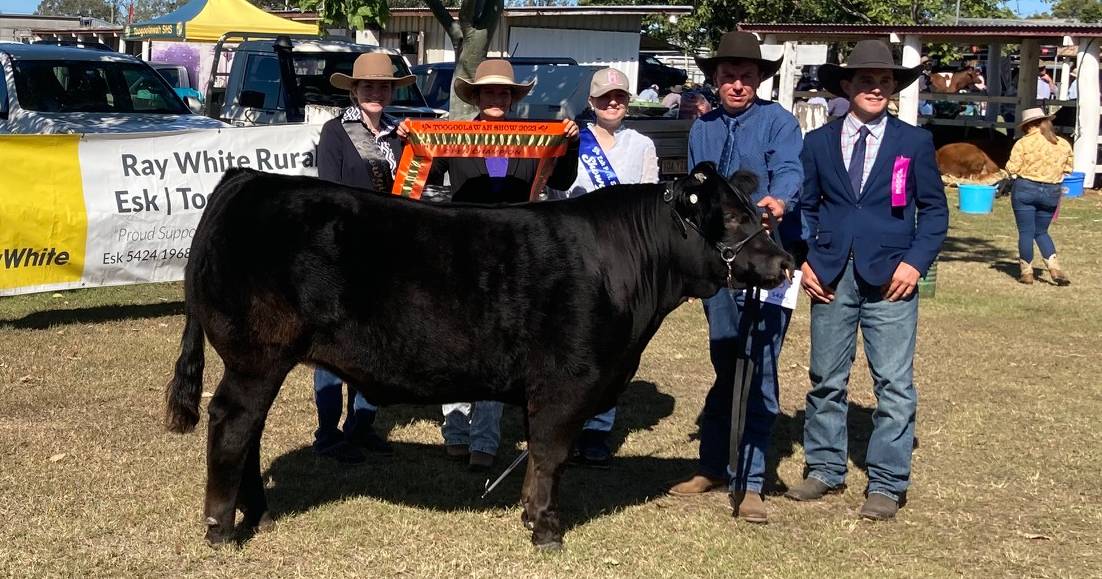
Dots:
(978, 199)
(1073, 185)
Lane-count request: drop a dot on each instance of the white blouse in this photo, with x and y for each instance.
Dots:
(632, 156)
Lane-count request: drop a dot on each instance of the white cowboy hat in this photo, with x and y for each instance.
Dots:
(1033, 115)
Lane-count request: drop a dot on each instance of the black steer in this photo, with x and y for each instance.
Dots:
(545, 305)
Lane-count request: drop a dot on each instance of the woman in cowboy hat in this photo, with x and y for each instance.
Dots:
(472, 431)
(361, 149)
(1039, 162)
(494, 91)
(874, 216)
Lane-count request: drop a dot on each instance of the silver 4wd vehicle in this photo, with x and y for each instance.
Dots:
(271, 80)
(62, 89)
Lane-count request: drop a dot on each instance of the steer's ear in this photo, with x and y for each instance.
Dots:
(703, 171)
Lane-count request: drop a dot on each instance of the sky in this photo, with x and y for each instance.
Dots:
(1021, 7)
(18, 6)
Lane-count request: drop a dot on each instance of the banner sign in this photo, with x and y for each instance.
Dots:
(112, 209)
(511, 139)
(154, 31)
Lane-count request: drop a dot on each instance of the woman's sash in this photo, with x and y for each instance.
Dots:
(596, 164)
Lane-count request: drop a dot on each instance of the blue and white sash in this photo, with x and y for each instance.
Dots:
(596, 165)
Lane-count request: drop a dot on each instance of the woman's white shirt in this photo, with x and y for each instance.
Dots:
(632, 157)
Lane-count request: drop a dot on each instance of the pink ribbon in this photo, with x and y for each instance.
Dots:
(899, 181)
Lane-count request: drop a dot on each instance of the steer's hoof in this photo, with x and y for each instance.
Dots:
(216, 537)
(266, 523)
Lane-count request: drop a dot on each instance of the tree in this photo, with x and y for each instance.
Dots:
(711, 18)
(353, 14)
(102, 9)
(150, 9)
(1081, 10)
(470, 36)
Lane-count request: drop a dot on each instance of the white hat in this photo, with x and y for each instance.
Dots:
(1033, 115)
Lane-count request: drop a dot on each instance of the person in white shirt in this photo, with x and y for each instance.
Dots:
(649, 94)
(1045, 86)
(630, 157)
(609, 154)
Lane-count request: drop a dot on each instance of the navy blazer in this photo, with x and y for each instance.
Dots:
(836, 221)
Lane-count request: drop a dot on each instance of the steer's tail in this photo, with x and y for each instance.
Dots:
(183, 392)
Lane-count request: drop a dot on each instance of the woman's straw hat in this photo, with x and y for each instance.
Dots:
(493, 72)
(371, 66)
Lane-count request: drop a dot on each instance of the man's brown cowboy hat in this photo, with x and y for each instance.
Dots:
(867, 54)
(738, 46)
(371, 66)
(493, 72)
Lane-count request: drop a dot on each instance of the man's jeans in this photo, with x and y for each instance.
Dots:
(724, 311)
(476, 424)
(602, 422)
(1034, 207)
(888, 329)
(330, 400)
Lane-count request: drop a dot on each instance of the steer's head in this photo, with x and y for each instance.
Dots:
(724, 224)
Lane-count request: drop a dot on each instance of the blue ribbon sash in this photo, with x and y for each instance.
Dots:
(593, 158)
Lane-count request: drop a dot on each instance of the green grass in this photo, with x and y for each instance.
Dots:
(1005, 478)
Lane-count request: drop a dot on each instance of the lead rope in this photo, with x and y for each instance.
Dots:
(744, 365)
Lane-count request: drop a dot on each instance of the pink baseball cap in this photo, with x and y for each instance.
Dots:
(607, 80)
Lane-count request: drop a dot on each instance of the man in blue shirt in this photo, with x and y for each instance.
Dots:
(745, 133)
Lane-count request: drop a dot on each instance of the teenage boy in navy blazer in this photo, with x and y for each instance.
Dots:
(874, 216)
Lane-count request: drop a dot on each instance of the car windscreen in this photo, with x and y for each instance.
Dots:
(312, 72)
(64, 86)
(435, 84)
(559, 91)
(172, 75)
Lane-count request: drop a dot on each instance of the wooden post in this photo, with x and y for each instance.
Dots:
(908, 97)
(1027, 78)
(994, 78)
(787, 76)
(765, 90)
(1086, 143)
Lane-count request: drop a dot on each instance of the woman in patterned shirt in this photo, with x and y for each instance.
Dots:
(1039, 162)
